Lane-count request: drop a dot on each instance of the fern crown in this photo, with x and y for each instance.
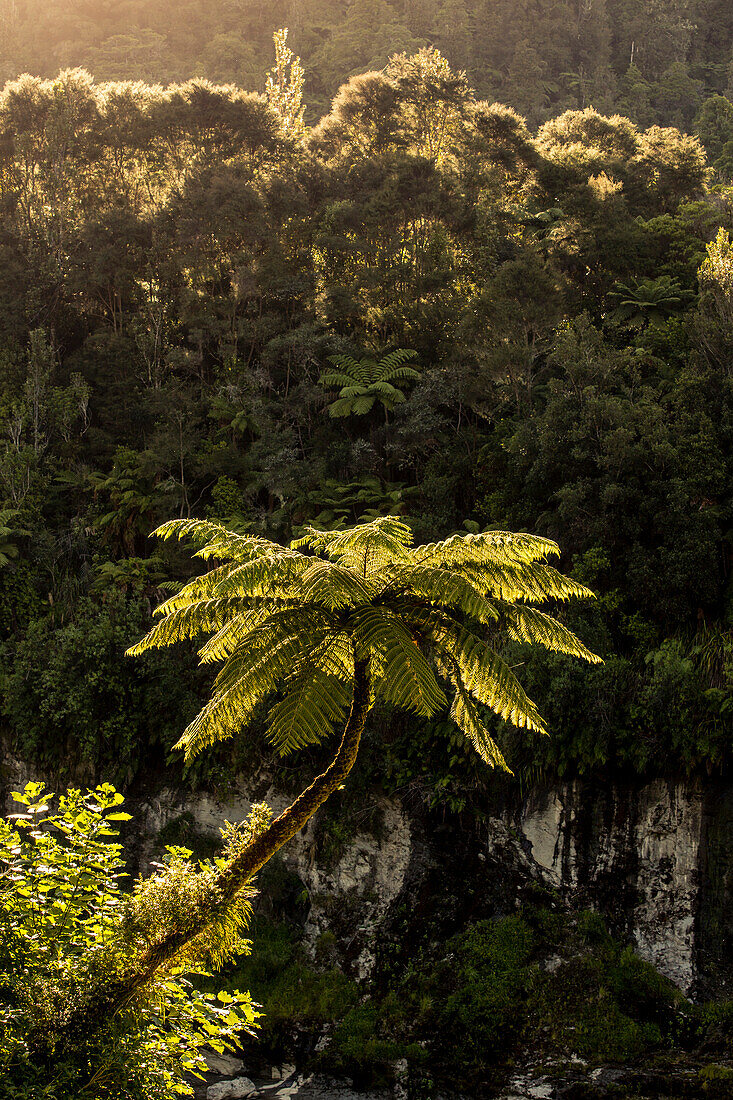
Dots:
(430, 620)
(363, 382)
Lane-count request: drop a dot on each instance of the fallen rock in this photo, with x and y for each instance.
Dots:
(283, 1072)
(235, 1089)
(529, 1088)
(223, 1065)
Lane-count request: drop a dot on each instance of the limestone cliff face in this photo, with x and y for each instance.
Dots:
(635, 853)
(655, 859)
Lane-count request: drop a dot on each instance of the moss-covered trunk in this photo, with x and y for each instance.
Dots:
(101, 1005)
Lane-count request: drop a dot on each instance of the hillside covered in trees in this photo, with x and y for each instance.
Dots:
(197, 296)
(652, 60)
(454, 266)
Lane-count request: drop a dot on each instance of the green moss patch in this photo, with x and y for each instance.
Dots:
(537, 982)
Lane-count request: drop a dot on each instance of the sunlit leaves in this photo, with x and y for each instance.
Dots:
(69, 929)
(293, 621)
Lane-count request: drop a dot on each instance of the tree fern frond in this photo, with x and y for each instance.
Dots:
(265, 575)
(332, 586)
(259, 664)
(489, 546)
(369, 547)
(445, 588)
(490, 680)
(336, 379)
(344, 406)
(215, 540)
(283, 641)
(337, 658)
(314, 701)
(194, 591)
(405, 677)
(359, 406)
(535, 582)
(357, 370)
(223, 716)
(464, 713)
(394, 358)
(225, 641)
(347, 363)
(386, 390)
(527, 624)
(399, 374)
(197, 530)
(314, 539)
(354, 389)
(187, 622)
(364, 548)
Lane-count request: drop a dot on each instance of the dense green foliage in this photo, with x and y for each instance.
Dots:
(182, 269)
(296, 993)
(420, 305)
(116, 713)
(67, 926)
(540, 985)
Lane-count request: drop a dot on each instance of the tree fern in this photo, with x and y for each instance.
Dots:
(364, 382)
(337, 619)
(428, 622)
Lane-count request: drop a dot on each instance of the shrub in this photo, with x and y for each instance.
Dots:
(67, 927)
(300, 997)
(603, 1001)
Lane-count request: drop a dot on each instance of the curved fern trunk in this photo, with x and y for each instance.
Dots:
(236, 874)
(99, 1008)
(292, 820)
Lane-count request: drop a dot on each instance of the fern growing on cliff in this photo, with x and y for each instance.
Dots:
(333, 621)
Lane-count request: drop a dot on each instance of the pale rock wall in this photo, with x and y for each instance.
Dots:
(643, 845)
(649, 857)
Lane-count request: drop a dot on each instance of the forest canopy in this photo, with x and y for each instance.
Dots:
(652, 60)
(185, 268)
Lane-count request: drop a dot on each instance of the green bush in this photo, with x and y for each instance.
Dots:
(360, 1049)
(69, 931)
(603, 1001)
(458, 1012)
(715, 1025)
(462, 1013)
(281, 977)
(72, 695)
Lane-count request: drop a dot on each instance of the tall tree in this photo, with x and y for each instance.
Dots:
(333, 622)
(284, 86)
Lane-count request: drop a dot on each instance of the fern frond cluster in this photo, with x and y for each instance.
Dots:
(430, 620)
(363, 382)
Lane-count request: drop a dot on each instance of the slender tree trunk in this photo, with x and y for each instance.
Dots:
(98, 1009)
(236, 874)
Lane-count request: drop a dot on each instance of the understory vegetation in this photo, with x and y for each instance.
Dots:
(542, 984)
